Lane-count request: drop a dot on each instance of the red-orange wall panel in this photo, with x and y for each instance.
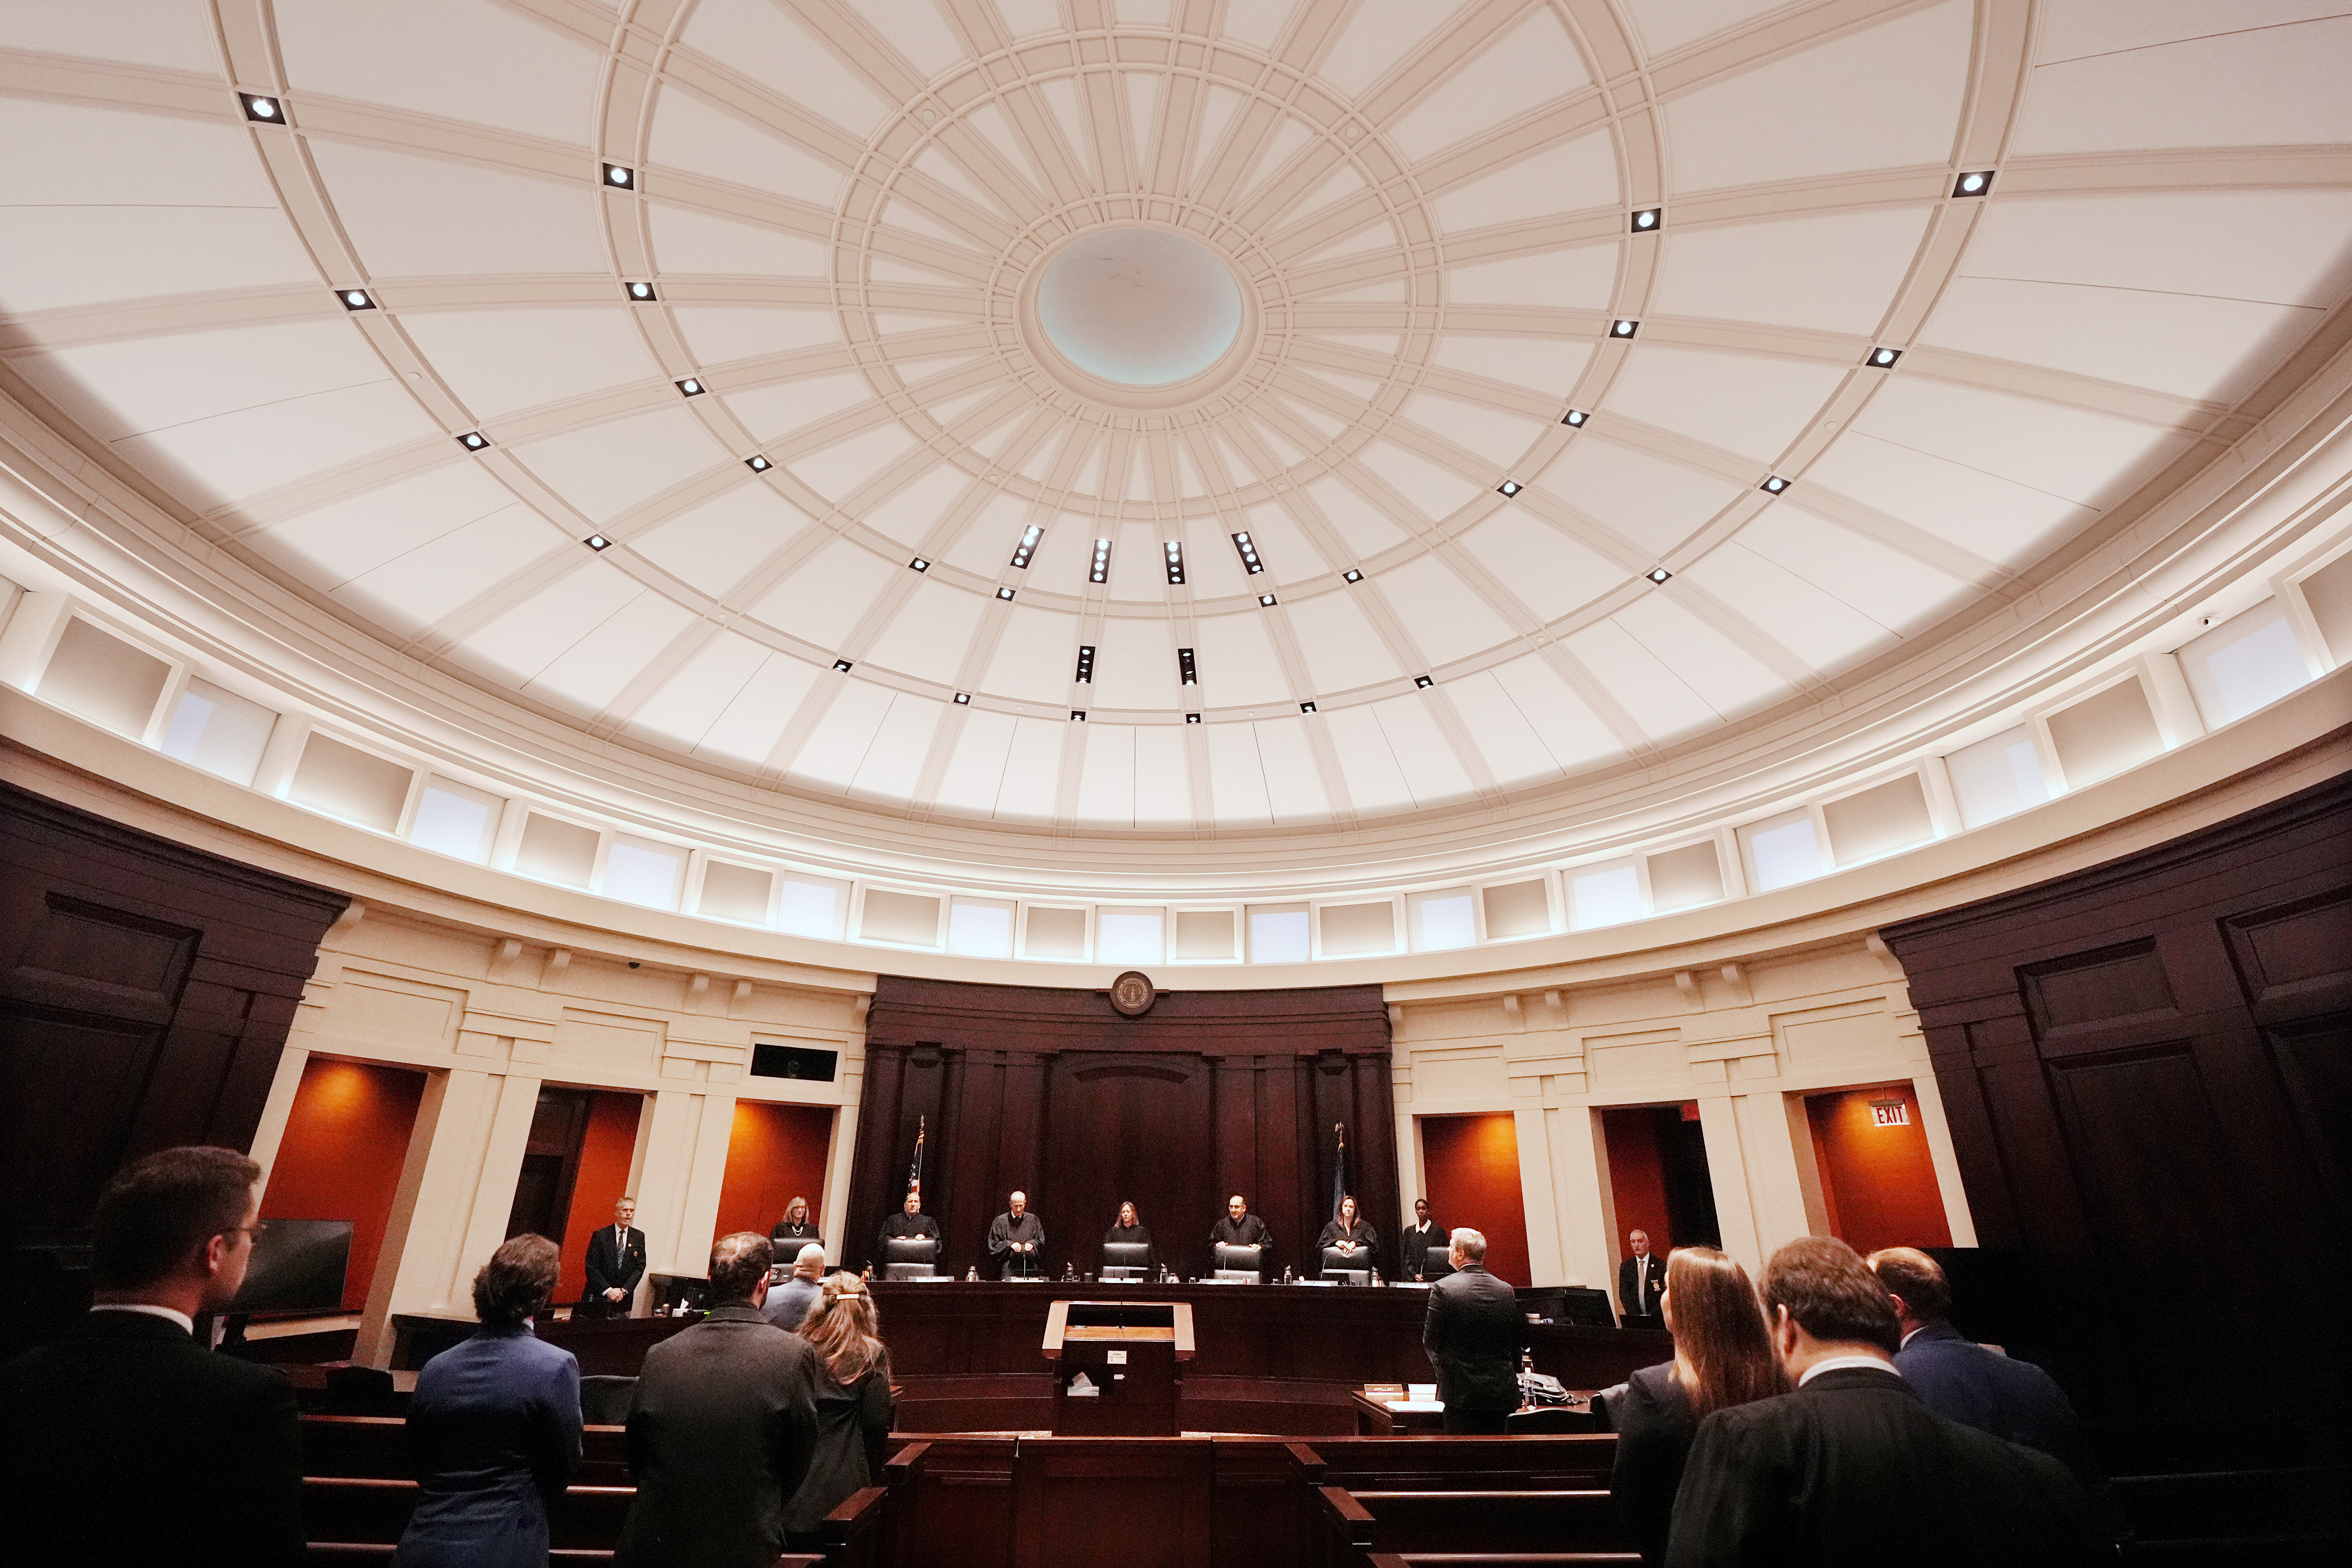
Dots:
(774, 1153)
(1472, 1166)
(345, 1142)
(1637, 1182)
(607, 1152)
(1878, 1182)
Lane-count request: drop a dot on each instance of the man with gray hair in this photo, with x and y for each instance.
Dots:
(721, 1430)
(789, 1302)
(1474, 1334)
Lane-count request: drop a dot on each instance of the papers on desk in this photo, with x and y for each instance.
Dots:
(1415, 1406)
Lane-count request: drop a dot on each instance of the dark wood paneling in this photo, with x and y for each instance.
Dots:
(146, 990)
(1056, 1094)
(1142, 1503)
(2144, 1068)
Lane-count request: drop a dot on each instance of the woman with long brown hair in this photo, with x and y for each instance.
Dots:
(853, 1404)
(1723, 1356)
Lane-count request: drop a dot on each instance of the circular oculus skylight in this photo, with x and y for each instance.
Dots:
(1139, 307)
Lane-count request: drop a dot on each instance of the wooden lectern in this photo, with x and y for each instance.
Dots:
(1118, 1369)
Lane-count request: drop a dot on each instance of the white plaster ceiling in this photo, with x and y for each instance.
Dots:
(841, 207)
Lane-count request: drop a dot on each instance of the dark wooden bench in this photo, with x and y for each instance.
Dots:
(1473, 1524)
(351, 1446)
(1551, 1461)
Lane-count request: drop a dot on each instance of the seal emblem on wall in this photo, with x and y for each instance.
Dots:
(1132, 993)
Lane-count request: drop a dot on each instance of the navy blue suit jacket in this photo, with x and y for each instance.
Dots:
(494, 1432)
(2016, 1400)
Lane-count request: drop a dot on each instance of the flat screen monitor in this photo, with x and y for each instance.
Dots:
(298, 1267)
(1240, 1259)
(919, 1249)
(1347, 1276)
(1587, 1307)
(1126, 1255)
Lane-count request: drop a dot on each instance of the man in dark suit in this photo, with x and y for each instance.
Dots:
(1641, 1284)
(1423, 1233)
(1852, 1468)
(1474, 1333)
(1980, 1387)
(129, 1443)
(617, 1261)
(721, 1430)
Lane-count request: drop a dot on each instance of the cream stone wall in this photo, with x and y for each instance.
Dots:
(491, 1018)
(1747, 1040)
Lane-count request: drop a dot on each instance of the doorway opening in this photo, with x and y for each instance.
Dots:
(1658, 1177)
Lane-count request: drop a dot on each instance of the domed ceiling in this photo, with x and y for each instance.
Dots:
(1167, 415)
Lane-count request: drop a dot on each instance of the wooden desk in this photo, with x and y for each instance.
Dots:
(1375, 1419)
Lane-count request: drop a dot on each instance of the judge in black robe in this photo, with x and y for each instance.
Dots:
(908, 1222)
(1413, 1247)
(1130, 1231)
(1017, 1241)
(1353, 1237)
(1241, 1229)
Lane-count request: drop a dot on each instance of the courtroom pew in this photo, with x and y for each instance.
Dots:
(365, 1510)
(1471, 1525)
(340, 1446)
(950, 1501)
(1571, 1460)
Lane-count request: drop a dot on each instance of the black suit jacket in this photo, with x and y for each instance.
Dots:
(127, 1443)
(608, 1265)
(1474, 1333)
(2016, 1400)
(1643, 1304)
(1654, 1423)
(720, 1433)
(1853, 1468)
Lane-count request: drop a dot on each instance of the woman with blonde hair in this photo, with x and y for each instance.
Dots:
(1723, 1356)
(853, 1406)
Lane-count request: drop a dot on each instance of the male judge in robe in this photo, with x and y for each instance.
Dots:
(1474, 1332)
(1852, 1468)
(1017, 1241)
(1640, 1282)
(722, 1428)
(909, 1222)
(617, 1261)
(1423, 1233)
(1240, 1228)
(794, 1231)
(1351, 1235)
(126, 1442)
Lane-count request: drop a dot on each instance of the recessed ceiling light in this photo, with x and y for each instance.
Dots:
(1775, 485)
(841, 665)
(597, 541)
(616, 175)
(1187, 669)
(268, 111)
(1192, 718)
(1975, 183)
(691, 387)
(1659, 574)
(1882, 358)
(1077, 715)
(1266, 599)
(356, 299)
(642, 291)
(1086, 663)
(1623, 329)
(919, 564)
(1351, 575)
(1175, 561)
(1250, 562)
(1574, 418)
(1423, 682)
(757, 464)
(1648, 220)
(963, 699)
(1027, 547)
(1509, 488)
(472, 440)
(1306, 708)
(1004, 593)
(1100, 571)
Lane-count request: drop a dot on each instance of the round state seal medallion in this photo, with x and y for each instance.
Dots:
(1132, 993)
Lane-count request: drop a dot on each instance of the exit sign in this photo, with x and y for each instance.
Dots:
(1890, 1113)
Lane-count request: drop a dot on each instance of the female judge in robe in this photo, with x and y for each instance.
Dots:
(1350, 1234)
(1129, 1230)
(852, 1407)
(494, 1427)
(1723, 1356)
